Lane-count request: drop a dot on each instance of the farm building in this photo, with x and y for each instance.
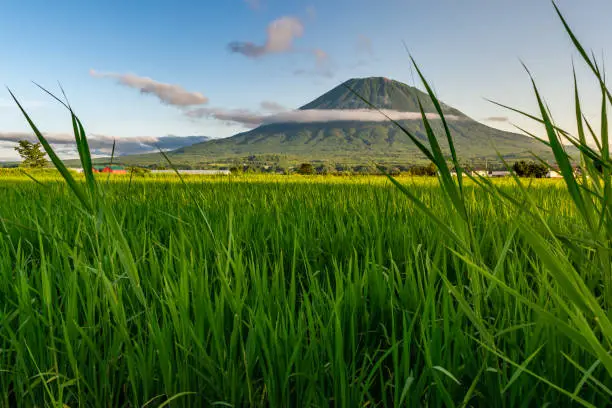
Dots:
(499, 173)
(553, 174)
(482, 173)
(490, 173)
(200, 172)
(106, 168)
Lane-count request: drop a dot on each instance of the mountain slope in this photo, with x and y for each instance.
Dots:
(383, 93)
(361, 141)
(129, 149)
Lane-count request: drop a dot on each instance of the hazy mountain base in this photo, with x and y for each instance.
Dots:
(345, 143)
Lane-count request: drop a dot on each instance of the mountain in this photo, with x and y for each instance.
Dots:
(129, 149)
(340, 127)
(382, 93)
(139, 145)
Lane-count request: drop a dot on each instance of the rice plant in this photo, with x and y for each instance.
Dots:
(309, 291)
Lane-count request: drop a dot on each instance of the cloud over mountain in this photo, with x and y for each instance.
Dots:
(244, 117)
(497, 119)
(251, 119)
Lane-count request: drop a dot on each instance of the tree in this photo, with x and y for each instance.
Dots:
(521, 168)
(394, 171)
(429, 170)
(325, 169)
(529, 169)
(306, 168)
(249, 169)
(361, 169)
(32, 155)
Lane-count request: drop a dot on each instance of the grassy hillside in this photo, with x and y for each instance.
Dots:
(358, 142)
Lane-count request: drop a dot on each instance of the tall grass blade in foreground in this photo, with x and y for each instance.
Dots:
(581, 287)
(485, 293)
(57, 162)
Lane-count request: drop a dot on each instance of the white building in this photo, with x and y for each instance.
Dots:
(499, 173)
(200, 172)
(553, 174)
(491, 173)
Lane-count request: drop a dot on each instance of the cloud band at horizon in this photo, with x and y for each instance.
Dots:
(252, 119)
(100, 145)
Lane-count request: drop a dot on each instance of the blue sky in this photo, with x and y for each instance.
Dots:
(469, 50)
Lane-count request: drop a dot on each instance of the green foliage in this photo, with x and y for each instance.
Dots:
(365, 170)
(325, 169)
(250, 169)
(429, 170)
(323, 289)
(530, 169)
(577, 262)
(394, 171)
(312, 292)
(31, 154)
(306, 169)
(138, 171)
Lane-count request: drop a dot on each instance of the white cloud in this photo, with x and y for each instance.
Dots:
(244, 117)
(280, 37)
(167, 93)
(5, 103)
(345, 115)
(497, 119)
(270, 106)
(64, 143)
(251, 119)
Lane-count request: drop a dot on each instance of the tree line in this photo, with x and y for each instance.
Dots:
(33, 156)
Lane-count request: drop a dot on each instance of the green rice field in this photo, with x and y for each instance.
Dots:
(312, 291)
(280, 291)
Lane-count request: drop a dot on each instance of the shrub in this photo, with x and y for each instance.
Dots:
(138, 171)
(530, 169)
(305, 169)
(429, 170)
